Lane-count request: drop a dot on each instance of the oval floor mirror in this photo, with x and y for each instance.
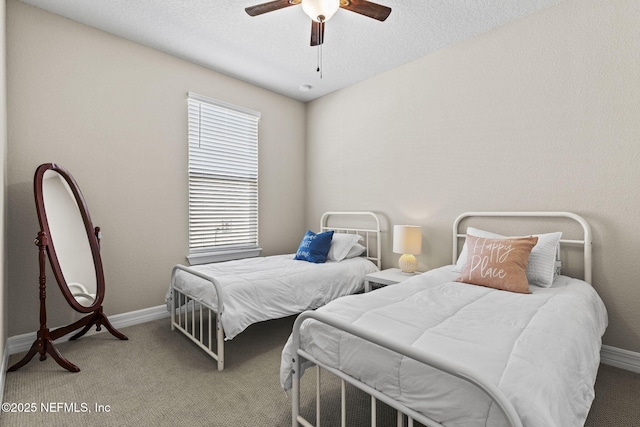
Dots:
(72, 244)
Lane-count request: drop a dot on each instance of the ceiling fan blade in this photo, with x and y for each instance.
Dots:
(270, 6)
(366, 8)
(317, 33)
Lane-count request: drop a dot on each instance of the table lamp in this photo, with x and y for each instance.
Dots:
(407, 240)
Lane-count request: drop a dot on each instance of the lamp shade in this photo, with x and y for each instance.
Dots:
(407, 239)
(320, 8)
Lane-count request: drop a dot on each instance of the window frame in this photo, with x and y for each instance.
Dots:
(224, 115)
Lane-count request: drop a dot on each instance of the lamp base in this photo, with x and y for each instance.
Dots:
(408, 264)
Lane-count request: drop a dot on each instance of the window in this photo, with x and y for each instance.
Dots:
(223, 181)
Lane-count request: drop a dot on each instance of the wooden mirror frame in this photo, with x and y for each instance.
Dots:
(44, 341)
(92, 236)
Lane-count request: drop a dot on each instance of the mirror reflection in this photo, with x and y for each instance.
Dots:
(67, 230)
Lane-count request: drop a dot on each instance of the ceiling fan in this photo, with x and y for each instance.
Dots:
(321, 11)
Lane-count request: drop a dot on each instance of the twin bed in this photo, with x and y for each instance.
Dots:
(448, 353)
(212, 303)
(441, 351)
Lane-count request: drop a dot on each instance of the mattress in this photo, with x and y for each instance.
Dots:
(265, 288)
(541, 349)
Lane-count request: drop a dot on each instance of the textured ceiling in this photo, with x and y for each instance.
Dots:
(272, 50)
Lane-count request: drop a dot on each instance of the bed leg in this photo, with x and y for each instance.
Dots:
(173, 309)
(220, 342)
(374, 421)
(295, 391)
(343, 403)
(318, 397)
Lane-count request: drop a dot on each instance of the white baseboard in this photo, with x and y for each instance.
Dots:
(20, 343)
(620, 358)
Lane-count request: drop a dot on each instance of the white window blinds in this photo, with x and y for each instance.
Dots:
(223, 176)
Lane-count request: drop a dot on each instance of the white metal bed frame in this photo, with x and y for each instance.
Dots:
(457, 370)
(195, 318)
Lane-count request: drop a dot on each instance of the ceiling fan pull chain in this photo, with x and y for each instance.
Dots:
(319, 69)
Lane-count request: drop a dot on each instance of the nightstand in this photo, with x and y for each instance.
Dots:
(390, 276)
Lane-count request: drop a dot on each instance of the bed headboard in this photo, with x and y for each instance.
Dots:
(585, 242)
(366, 224)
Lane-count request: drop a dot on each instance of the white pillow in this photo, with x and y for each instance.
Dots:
(541, 269)
(341, 244)
(356, 250)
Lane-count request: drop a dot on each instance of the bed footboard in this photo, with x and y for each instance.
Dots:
(196, 319)
(493, 392)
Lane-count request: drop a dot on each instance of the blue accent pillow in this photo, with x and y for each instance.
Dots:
(314, 247)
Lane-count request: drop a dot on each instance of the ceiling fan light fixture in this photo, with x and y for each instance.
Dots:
(320, 10)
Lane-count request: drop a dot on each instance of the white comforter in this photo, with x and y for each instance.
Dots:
(264, 288)
(541, 349)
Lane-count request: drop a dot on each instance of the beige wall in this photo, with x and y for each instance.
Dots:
(114, 113)
(543, 114)
(3, 178)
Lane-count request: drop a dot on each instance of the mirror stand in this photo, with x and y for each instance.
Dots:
(44, 341)
(45, 338)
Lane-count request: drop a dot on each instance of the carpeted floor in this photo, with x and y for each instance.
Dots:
(160, 378)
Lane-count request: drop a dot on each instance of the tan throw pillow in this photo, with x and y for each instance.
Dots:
(498, 263)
